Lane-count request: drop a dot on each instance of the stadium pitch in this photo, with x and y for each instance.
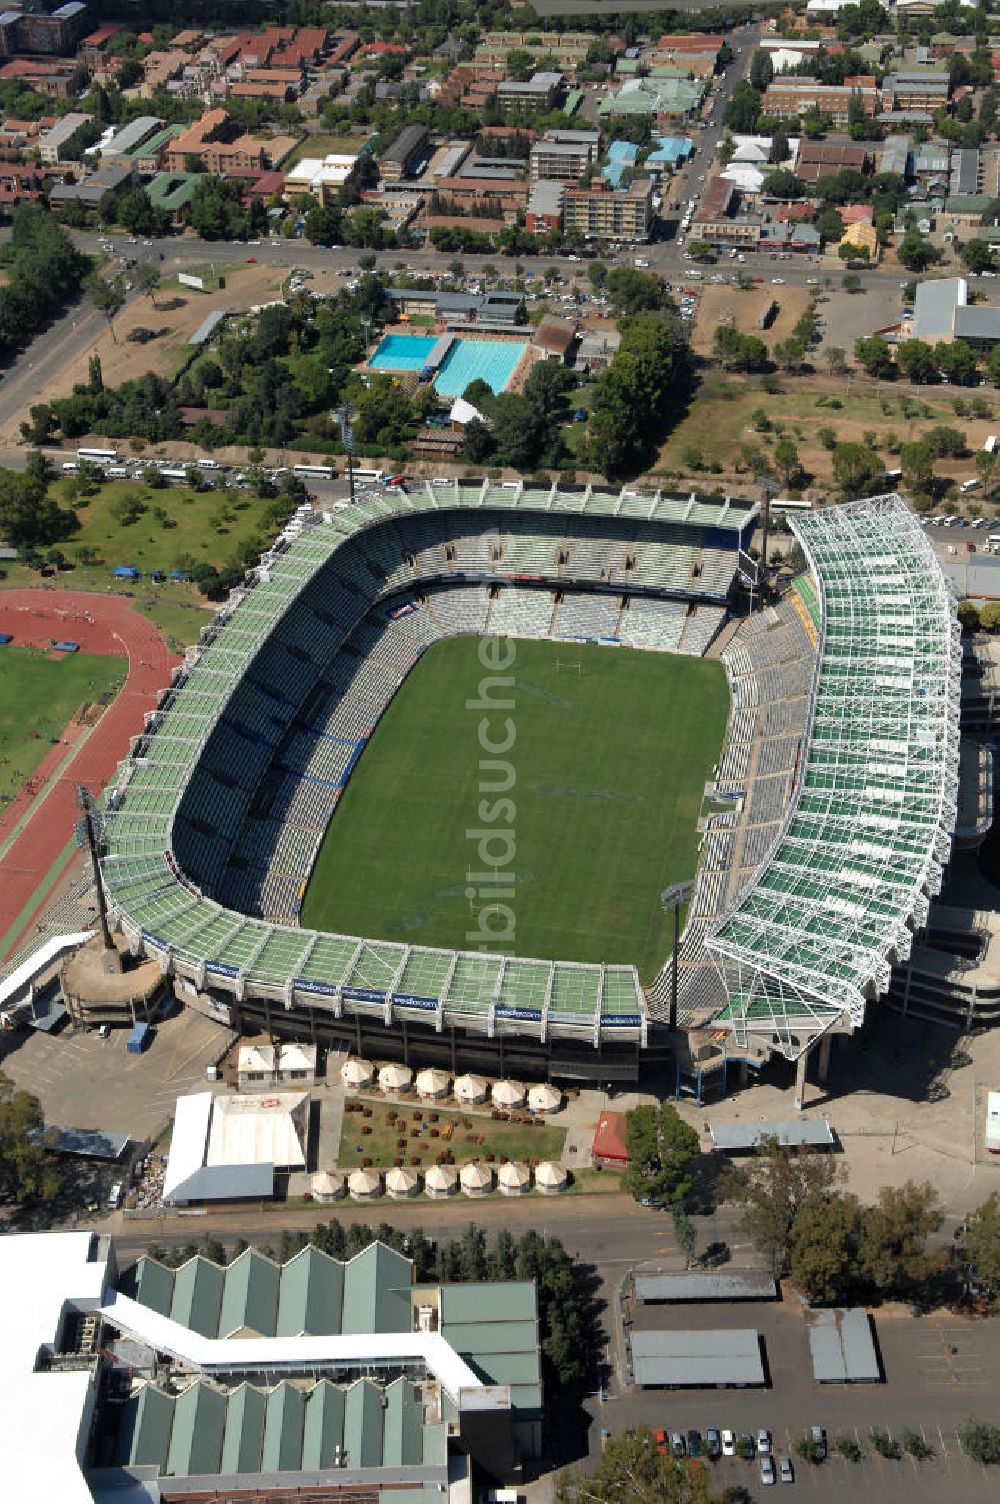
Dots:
(611, 751)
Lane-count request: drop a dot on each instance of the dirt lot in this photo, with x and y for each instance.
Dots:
(717, 304)
(84, 1081)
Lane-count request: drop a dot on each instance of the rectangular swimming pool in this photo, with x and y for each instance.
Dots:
(402, 352)
(489, 360)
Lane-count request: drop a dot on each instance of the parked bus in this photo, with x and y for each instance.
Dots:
(98, 456)
(315, 472)
(176, 477)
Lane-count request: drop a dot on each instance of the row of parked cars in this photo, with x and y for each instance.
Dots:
(726, 1443)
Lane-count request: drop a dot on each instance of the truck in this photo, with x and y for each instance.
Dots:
(993, 1122)
(138, 1039)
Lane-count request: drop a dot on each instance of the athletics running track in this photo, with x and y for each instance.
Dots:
(100, 624)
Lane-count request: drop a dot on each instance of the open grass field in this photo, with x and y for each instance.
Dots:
(469, 1135)
(609, 767)
(38, 696)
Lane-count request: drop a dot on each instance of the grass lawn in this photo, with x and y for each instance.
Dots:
(38, 696)
(610, 765)
(461, 1132)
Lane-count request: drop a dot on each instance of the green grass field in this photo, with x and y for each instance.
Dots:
(610, 767)
(39, 693)
(467, 1135)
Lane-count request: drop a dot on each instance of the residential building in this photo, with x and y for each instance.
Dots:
(564, 156)
(53, 79)
(402, 156)
(557, 337)
(89, 190)
(917, 90)
(896, 156)
(212, 126)
(545, 208)
(964, 172)
(173, 191)
(603, 213)
(93, 50)
(862, 237)
(795, 96)
(820, 159)
(128, 141)
(149, 157)
(534, 96)
(52, 141)
(569, 48)
(494, 197)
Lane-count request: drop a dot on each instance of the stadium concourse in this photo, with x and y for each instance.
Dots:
(214, 823)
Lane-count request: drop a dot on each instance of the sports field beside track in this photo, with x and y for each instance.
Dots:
(610, 756)
(39, 693)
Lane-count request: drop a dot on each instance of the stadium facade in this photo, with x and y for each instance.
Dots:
(214, 822)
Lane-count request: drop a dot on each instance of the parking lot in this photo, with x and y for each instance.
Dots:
(84, 1081)
(940, 1370)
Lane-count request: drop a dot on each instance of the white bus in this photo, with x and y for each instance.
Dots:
(208, 464)
(317, 472)
(176, 477)
(98, 456)
(993, 1122)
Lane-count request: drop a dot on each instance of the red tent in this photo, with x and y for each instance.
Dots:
(609, 1147)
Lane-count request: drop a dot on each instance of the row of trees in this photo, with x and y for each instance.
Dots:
(521, 429)
(638, 395)
(44, 272)
(920, 362)
(567, 1321)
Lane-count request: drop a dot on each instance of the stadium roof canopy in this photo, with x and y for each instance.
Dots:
(162, 911)
(868, 830)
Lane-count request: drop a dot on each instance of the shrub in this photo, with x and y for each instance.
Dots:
(808, 1450)
(981, 1441)
(915, 1444)
(849, 1449)
(884, 1444)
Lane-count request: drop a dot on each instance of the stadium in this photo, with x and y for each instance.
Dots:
(824, 829)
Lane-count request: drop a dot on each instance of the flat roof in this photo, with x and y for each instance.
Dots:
(803, 1132)
(737, 1284)
(692, 1360)
(208, 326)
(935, 305)
(843, 1348)
(91, 1143)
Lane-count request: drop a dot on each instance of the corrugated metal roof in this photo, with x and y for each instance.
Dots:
(311, 1293)
(692, 1359)
(284, 1423)
(197, 1302)
(92, 1143)
(814, 1132)
(324, 1426)
(493, 1336)
(402, 1435)
(152, 1283)
(842, 1347)
(483, 1302)
(243, 1442)
(363, 1425)
(148, 1435)
(377, 1291)
(738, 1284)
(250, 1297)
(196, 1437)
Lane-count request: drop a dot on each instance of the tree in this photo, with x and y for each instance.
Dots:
(147, 277)
(957, 361)
(743, 109)
(851, 282)
(892, 1249)
(107, 297)
(874, 354)
(981, 1243)
(761, 70)
(823, 1245)
(27, 1168)
(976, 256)
(917, 463)
(989, 616)
(632, 1470)
(916, 360)
(771, 1187)
(662, 1149)
(981, 1441)
(915, 252)
(782, 184)
(683, 1231)
(786, 457)
(968, 615)
(632, 291)
(739, 352)
(856, 469)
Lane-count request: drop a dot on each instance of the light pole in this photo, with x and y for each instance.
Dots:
(344, 415)
(673, 897)
(90, 821)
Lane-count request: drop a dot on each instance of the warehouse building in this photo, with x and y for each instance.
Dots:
(315, 1378)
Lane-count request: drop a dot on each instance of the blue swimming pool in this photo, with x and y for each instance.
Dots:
(402, 352)
(489, 360)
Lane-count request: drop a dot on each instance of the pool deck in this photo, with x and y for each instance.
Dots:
(437, 330)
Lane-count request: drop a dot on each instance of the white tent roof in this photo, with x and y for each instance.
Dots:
(400, 1181)
(259, 1130)
(432, 1081)
(394, 1077)
(364, 1182)
(550, 1173)
(441, 1178)
(514, 1175)
(544, 1098)
(327, 1183)
(470, 1088)
(508, 1093)
(356, 1072)
(463, 412)
(475, 1176)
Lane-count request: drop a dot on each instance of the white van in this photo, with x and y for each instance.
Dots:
(991, 444)
(970, 485)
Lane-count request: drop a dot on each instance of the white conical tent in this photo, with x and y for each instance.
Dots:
(356, 1073)
(401, 1182)
(364, 1185)
(476, 1179)
(327, 1185)
(550, 1177)
(440, 1180)
(470, 1089)
(507, 1094)
(514, 1179)
(432, 1083)
(394, 1078)
(544, 1098)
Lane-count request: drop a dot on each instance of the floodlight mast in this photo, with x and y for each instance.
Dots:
(673, 897)
(86, 802)
(344, 415)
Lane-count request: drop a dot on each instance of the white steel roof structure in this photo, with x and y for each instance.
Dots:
(164, 913)
(868, 830)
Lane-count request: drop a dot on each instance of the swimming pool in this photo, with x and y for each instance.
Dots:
(489, 360)
(402, 352)
(492, 361)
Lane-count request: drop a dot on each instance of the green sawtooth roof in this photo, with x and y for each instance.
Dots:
(377, 1291)
(250, 1298)
(152, 1284)
(198, 1429)
(197, 1302)
(324, 1426)
(363, 1425)
(311, 1295)
(243, 1442)
(402, 1438)
(144, 1435)
(283, 1426)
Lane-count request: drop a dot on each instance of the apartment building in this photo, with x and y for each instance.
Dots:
(52, 141)
(915, 91)
(564, 156)
(537, 94)
(409, 146)
(716, 219)
(603, 213)
(794, 96)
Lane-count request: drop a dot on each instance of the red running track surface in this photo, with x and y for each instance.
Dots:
(100, 624)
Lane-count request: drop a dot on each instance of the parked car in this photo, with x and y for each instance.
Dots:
(713, 1446)
(745, 1447)
(677, 1444)
(817, 1435)
(728, 1443)
(763, 1443)
(767, 1472)
(694, 1443)
(660, 1437)
(785, 1470)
